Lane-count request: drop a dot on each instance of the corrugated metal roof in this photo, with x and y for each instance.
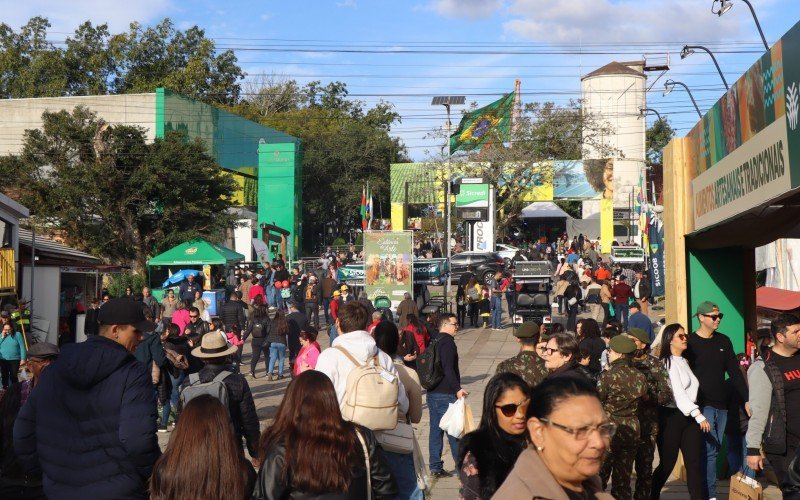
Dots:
(613, 68)
(45, 247)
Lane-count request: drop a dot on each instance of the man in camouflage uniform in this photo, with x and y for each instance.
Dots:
(659, 393)
(621, 388)
(527, 364)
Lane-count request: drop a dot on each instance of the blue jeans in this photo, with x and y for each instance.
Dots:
(333, 333)
(737, 455)
(437, 406)
(497, 311)
(277, 352)
(402, 467)
(621, 312)
(326, 307)
(717, 419)
(172, 400)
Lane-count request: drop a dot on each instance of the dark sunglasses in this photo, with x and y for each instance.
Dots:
(682, 336)
(714, 317)
(193, 316)
(511, 409)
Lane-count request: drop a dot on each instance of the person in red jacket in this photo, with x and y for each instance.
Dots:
(421, 335)
(621, 293)
(336, 301)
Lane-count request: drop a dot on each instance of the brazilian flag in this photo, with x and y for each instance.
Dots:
(480, 126)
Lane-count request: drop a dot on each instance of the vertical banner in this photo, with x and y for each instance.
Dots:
(483, 231)
(656, 250)
(387, 264)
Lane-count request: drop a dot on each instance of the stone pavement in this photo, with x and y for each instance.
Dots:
(480, 350)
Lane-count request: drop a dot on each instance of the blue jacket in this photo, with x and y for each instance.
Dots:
(12, 347)
(90, 424)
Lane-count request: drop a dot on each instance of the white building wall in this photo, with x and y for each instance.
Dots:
(45, 300)
(616, 100)
(19, 115)
(243, 237)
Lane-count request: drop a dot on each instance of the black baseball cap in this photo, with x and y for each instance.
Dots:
(124, 312)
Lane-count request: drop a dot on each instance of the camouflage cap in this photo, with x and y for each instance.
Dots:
(639, 334)
(527, 330)
(622, 344)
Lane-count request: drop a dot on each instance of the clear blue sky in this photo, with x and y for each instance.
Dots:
(407, 52)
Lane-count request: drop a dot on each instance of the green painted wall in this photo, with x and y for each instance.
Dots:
(719, 276)
(231, 139)
(280, 192)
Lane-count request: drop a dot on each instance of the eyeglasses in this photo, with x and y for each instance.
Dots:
(548, 351)
(606, 430)
(453, 324)
(511, 409)
(682, 336)
(714, 317)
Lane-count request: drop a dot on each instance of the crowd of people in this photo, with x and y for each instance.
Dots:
(573, 415)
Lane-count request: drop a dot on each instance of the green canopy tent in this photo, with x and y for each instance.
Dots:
(198, 252)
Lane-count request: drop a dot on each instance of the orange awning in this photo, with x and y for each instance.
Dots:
(777, 299)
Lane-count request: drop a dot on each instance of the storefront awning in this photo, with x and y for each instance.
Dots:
(777, 299)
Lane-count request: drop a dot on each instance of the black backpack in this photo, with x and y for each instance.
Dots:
(261, 329)
(429, 365)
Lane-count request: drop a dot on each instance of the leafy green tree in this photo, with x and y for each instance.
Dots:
(543, 132)
(113, 194)
(30, 66)
(344, 146)
(96, 61)
(656, 138)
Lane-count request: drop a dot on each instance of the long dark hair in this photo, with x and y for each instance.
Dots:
(666, 339)
(320, 445)
(202, 459)
(495, 450)
(387, 338)
(589, 328)
(280, 323)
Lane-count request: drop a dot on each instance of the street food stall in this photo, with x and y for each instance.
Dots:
(212, 262)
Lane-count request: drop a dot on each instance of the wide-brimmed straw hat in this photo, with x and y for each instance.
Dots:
(213, 345)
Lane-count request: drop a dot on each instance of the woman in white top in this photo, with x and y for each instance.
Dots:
(681, 427)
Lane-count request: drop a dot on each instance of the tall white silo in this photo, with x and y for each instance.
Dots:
(615, 94)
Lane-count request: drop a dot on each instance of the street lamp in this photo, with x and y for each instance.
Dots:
(689, 50)
(447, 101)
(643, 112)
(725, 6)
(670, 84)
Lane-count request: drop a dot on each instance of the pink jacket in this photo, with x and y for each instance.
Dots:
(307, 356)
(181, 318)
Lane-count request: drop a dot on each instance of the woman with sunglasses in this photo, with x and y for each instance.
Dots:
(680, 427)
(487, 454)
(569, 434)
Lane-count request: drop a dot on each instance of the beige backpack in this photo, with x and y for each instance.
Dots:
(370, 397)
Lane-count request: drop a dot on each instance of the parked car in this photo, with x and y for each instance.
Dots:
(507, 252)
(485, 263)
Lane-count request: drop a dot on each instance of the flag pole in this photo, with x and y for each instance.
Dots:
(517, 113)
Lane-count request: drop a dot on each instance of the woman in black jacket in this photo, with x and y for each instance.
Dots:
(590, 341)
(310, 451)
(487, 454)
(259, 328)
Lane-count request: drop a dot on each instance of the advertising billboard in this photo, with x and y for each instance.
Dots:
(583, 179)
(387, 264)
(746, 149)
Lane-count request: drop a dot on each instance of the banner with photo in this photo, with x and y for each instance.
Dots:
(387, 264)
(746, 149)
(583, 179)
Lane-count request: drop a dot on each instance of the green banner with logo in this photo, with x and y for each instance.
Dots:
(387, 264)
(473, 196)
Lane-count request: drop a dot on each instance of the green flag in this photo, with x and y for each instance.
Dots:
(479, 126)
